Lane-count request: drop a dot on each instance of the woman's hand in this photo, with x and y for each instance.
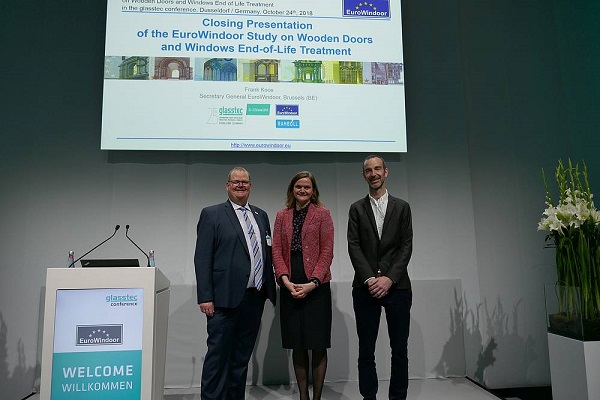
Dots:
(298, 291)
(289, 285)
(302, 290)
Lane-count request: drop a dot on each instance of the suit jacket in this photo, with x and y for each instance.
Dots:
(317, 243)
(222, 260)
(391, 254)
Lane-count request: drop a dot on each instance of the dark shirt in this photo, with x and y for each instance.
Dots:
(297, 222)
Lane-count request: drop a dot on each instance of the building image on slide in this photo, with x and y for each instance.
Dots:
(386, 73)
(261, 70)
(216, 69)
(172, 68)
(127, 67)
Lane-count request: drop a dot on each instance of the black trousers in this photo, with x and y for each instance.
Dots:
(367, 310)
(232, 334)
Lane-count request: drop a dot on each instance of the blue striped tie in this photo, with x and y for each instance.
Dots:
(258, 274)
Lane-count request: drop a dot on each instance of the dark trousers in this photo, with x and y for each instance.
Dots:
(232, 334)
(367, 311)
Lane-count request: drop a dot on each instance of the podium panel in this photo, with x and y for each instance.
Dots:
(105, 334)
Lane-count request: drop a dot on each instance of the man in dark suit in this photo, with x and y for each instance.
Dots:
(234, 276)
(380, 245)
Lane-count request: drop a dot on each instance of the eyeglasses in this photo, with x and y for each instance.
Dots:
(239, 183)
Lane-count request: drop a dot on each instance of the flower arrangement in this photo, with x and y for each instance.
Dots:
(573, 230)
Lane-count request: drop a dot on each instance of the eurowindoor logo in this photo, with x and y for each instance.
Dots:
(287, 109)
(99, 335)
(366, 9)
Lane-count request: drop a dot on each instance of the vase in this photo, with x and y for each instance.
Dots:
(573, 346)
(564, 316)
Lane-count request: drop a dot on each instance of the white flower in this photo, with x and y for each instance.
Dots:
(572, 212)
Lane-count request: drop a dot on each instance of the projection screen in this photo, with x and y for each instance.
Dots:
(241, 75)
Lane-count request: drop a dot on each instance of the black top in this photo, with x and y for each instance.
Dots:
(297, 222)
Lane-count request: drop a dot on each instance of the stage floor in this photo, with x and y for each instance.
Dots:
(419, 389)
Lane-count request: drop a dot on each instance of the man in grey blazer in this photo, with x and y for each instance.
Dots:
(234, 276)
(380, 246)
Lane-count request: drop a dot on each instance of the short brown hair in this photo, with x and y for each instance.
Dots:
(370, 157)
(238, 169)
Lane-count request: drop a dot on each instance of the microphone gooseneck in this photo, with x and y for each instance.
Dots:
(131, 240)
(98, 245)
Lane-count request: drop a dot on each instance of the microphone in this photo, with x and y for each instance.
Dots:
(101, 243)
(143, 252)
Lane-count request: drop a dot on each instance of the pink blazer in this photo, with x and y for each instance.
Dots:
(317, 243)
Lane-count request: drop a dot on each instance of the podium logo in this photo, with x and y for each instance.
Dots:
(122, 300)
(99, 335)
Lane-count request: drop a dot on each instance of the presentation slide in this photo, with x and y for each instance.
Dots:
(238, 75)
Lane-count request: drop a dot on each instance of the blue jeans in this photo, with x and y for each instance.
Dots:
(367, 310)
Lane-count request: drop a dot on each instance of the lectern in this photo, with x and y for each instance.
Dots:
(105, 334)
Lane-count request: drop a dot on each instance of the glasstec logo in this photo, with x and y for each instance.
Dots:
(231, 111)
(366, 9)
(258, 109)
(125, 297)
(287, 123)
(287, 109)
(124, 300)
(99, 335)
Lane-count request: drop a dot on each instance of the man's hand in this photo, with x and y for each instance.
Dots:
(207, 308)
(379, 287)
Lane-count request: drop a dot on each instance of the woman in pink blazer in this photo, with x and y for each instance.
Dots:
(302, 254)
